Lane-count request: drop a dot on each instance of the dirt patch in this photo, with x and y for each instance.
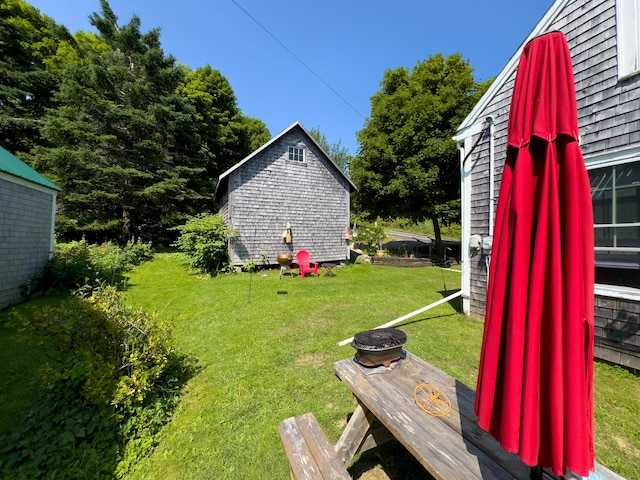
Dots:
(390, 461)
(313, 360)
(376, 473)
(624, 445)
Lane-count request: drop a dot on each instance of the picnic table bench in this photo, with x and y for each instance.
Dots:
(450, 446)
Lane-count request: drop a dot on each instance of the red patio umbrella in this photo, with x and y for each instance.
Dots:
(535, 381)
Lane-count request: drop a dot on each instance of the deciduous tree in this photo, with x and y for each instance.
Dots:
(224, 134)
(27, 40)
(338, 153)
(407, 164)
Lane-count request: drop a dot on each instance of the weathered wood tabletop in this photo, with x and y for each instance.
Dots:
(449, 447)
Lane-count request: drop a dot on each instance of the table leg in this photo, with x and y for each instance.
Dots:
(354, 433)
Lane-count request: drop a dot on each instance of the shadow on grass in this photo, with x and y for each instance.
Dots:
(389, 461)
(456, 303)
(62, 437)
(48, 429)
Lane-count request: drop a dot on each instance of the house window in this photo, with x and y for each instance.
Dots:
(627, 21)
(296, 154)
(615, 191)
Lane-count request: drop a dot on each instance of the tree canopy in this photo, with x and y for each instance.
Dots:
(337, 153)
(135, 140)
(27, 40)
(407, 164)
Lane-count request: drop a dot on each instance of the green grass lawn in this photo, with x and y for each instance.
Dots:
(267, 345)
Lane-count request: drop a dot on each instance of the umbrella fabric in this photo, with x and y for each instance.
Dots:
(535, 379)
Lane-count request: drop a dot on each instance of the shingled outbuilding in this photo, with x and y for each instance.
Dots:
(286, 196)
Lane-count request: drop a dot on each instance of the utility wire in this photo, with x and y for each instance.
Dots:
(298, 59)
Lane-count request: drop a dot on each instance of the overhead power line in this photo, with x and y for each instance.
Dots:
(298, 58)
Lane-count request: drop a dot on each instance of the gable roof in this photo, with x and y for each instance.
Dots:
(248, 158)
(542, 27)
(12, 165)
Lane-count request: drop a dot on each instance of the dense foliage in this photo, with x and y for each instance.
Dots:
(78, 263)
(112, 380)
(337, 153)
(202, 240)
(370, 235)
(27, 39)
(408, 165)
(135, 140)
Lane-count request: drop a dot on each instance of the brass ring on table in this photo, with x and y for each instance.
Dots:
(432, 400)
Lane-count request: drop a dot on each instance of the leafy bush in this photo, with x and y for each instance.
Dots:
(62, 439)
(202, 239)
(113, 380)
(79, 262)
(452, 231)
(371, 236)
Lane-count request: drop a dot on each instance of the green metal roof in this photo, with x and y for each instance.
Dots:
(14, 166)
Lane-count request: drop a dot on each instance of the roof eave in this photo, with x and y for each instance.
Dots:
(542, 27)
(273, 140)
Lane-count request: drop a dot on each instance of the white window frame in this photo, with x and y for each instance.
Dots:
(612, 159)
(628, 37)
(296, 154)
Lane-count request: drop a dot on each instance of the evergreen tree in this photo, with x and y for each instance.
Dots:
(123, 142)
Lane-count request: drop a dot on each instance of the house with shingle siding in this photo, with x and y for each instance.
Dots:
(289, 182)
(27, 214)
(603, 40)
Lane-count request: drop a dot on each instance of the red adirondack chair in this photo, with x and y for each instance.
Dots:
(306, 265)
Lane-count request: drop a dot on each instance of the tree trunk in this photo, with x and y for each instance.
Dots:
(126, 226)
(440, 254)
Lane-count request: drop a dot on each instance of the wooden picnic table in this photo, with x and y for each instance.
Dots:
(448, 444)
(449, 447)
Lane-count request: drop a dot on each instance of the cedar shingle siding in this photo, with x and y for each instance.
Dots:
(264, 192)
(609, 121)
(25, 237)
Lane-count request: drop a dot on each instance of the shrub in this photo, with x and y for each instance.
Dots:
(70, 266)
(202, 239)
(113, 380)
(136, 252)
(371, 236)
(79, 262)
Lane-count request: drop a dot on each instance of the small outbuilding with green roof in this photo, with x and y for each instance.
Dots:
(27, 216)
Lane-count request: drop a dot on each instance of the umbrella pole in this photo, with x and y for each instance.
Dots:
(536, 473)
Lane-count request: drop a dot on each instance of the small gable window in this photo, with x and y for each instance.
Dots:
(628, 36)
(296, 154)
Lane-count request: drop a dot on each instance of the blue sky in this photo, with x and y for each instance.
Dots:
(329, 57)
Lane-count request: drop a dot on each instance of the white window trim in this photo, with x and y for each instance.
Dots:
(608, 159)
(296, 148)
(628, 37)
(613, 291)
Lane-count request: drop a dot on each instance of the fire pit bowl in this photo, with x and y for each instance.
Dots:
(381, 346)
(285, 259)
